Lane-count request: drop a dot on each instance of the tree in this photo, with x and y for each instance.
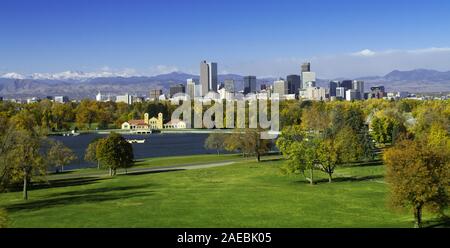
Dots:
(249, 142)
(215, 141)
(300, 149)
(24, 157)
(60, 155)
(91, 153)
(418, 173)
(114, 152)
(338, 149)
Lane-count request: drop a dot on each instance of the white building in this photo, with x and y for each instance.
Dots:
(307, 77)
(61, 99)
(315, 93)
(280, 87)
(351, 95)
(127, 98)
(190, 87)
(340, 92)
(178, 124)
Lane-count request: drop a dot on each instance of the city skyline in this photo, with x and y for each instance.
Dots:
(150, 38)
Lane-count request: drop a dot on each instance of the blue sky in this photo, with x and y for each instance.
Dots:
(265, 38)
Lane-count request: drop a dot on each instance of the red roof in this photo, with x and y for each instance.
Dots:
(137, 122)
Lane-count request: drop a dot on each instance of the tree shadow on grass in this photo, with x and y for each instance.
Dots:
(80, 197)
(376, 162)
(101, 190)
(443, 222)
(56, 183)
(135, 173)
(344, 179)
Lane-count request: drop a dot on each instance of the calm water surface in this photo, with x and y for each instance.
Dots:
(156, 145)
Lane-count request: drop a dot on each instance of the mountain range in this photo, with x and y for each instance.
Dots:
(77, 85)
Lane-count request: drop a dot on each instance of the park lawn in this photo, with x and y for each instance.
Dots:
(245, 194)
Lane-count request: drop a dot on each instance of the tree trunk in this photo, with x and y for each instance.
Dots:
(418, 216)
(25, 184)
(98, 164)
(258, 157)
(62, 168)
(110, 172)
(311, 174)
(330, 177)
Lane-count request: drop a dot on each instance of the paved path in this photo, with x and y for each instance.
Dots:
(148, 170)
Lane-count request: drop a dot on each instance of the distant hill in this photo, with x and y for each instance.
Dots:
(80, 85)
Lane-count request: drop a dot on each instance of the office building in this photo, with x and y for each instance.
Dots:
(315, 93)
(155, 93)
(280, 87)
(249, 84)
(190, 87)
(228, 84)
(306, 67)
(358, 85)
(308, 79)
(351, 94)
(333, 86)
(377, 92)
(340, 92)
(61, 99)
(127, 98)
(347, 84)
(175, 89)
(293, 84)
(208, 77)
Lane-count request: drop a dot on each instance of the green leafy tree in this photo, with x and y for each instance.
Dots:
(24, 157)
(418, 173)
(90, 154)
(300, 150)
(60, 155)
(114, 152)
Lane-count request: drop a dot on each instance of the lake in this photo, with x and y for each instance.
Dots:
(156, 145)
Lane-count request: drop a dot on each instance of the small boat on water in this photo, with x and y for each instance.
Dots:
(72, 133)
(136, 141)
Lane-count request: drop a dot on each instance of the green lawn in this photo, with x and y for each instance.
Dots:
(245, 194)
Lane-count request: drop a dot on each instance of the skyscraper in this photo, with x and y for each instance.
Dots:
(249, 84)
(204, 77)
(280, 87)
(306, 67)
(308, 79)
(358, 85)
(347, 84)
(333, 86)
(307, 76)
(212, 76)
(190, 87)
(293, 84)
(208, 77)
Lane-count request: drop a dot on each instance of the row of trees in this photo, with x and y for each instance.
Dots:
(57, 116)
(248, 142)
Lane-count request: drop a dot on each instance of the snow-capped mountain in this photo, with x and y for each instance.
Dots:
(69, 75)
(12, 75)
